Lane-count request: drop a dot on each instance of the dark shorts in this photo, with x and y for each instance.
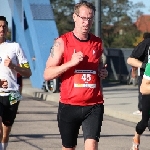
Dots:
(70, 118)
(7, 112)
(19, 81)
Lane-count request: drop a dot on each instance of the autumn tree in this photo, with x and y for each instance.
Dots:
(138, 39)
(118, 29)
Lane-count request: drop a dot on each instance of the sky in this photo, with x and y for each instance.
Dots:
(146, 10)
(5, 10)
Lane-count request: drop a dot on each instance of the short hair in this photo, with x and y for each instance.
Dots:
(3, 19)
(146, 35)
(83, 3)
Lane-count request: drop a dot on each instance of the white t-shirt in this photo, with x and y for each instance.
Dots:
(16, 54)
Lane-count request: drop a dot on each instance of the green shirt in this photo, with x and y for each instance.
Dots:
(147, 70)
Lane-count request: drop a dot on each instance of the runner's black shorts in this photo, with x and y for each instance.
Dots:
(7, 112)
(70, 118)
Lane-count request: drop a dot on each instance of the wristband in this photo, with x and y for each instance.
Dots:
(143, 65)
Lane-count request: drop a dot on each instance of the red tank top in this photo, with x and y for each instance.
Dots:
(81, 85)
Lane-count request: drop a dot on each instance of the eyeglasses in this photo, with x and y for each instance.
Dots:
(85, 19)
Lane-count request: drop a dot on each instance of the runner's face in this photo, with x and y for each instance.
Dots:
(3, 29)
(84, 20)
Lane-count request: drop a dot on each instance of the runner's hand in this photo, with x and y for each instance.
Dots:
(3, 83)
(77, 57)
(7, 62)
(103, 73)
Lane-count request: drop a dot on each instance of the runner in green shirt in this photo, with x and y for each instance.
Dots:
(145, 121)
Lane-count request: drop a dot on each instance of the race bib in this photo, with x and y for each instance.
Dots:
(85, 78)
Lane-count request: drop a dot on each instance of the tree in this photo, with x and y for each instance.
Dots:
(118, 29)
(63, 11)
(135, 11)
(138, 39)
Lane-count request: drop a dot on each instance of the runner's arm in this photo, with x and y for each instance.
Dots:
(23, 69)
(54, 68)
(137, 54)
(135, 62)
(102, 72)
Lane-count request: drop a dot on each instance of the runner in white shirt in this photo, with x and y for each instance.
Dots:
(10, 54)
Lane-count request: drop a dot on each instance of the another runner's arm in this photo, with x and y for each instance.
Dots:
(135, 62)
(23, 69)
(102, 72)
(135, 57)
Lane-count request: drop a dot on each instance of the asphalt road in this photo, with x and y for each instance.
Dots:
(35, 128)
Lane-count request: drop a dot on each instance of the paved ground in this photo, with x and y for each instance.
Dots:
(35, 127)
(120, 100)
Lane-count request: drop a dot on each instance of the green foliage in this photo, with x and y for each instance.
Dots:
(63, 11)
(124, 41)
(138, 40)
(118, 29)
